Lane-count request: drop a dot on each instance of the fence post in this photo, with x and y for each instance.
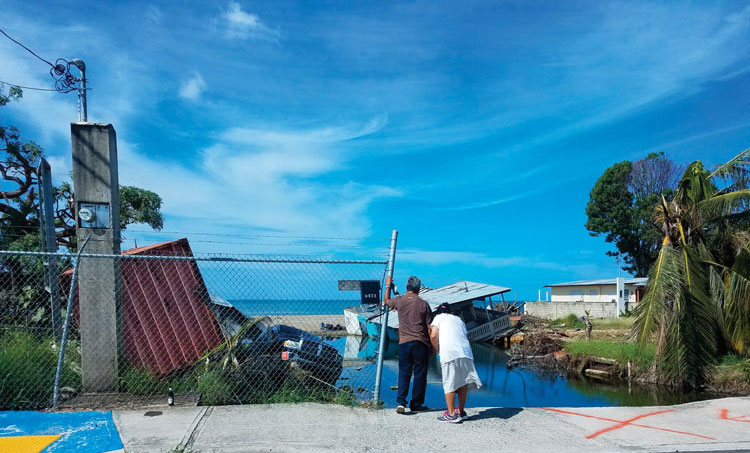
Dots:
(49, 243)
(68, 314)
(384, 318)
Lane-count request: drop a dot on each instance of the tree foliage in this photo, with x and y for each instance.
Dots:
(697, 301)
(621, 206)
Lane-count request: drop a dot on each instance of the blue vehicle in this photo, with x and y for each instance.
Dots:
(278, 348)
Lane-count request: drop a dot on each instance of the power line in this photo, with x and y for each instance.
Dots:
(65, 82)
(25, 87)
(261, 235)
(27, 49)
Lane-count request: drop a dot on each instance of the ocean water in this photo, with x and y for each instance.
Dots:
(292, 307)
(502, 387)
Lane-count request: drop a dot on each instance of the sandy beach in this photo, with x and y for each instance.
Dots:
(311, 323)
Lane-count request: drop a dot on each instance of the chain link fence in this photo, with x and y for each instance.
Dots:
(213, 329)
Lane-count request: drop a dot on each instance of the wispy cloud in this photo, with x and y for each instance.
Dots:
(488, 203)
(448, 257)
(192, 87)
(240, 24)
(263, 179)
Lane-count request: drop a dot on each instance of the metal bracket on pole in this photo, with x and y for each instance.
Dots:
(82, 116)
(384, 319)
(68, 314)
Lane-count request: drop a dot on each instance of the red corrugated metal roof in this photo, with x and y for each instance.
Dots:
(167, 323)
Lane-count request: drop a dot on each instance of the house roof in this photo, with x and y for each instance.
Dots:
(459, 292)
(604, 281)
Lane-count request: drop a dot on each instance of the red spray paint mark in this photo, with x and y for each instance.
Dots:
(724, 415)
(623, 423)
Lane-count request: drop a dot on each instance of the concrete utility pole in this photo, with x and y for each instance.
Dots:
(97, 206)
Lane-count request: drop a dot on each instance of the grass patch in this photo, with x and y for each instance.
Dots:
(569, 322)
(622, 323)
(27, 370)
(140, 382)
(215, 388)
(621, 351)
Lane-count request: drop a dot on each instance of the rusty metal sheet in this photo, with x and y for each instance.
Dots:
(167, 322)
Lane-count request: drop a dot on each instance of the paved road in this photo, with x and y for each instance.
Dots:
(722, 424)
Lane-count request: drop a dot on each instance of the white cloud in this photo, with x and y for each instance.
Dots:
(448, 257)
(243, 25)
(261, 179)
(193, 87)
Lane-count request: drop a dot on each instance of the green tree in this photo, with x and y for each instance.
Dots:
(621, 206)
(698, 296)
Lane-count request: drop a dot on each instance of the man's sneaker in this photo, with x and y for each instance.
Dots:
(400, 409)
(463, 415)
(421, 408)
(451, 418)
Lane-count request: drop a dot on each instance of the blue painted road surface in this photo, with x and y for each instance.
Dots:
(82, 432)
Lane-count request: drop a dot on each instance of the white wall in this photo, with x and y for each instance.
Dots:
(602, 293)
(554, 310)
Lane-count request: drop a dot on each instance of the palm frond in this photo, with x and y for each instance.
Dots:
(694, 186)
(737, 304)
(664, 283)
(723, 205)
(691, 341)
(731, 167)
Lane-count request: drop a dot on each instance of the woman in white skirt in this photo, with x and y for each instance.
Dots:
(451, 342)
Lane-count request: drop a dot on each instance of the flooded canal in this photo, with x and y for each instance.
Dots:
(502, 387)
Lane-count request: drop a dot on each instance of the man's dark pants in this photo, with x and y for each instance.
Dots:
(412, 356)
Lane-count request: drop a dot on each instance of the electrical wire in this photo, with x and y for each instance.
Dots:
(27, 49)
(25, 87)
(281, 236)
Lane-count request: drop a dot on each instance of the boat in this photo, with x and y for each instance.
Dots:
(470, 301)
(364, 320)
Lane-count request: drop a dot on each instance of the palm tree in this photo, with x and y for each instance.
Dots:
(697, 302)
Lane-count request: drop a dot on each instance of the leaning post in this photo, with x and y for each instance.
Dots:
(384, 318)
(49, 244)
(97, 209)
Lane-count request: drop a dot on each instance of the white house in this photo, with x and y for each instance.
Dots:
(604, 298)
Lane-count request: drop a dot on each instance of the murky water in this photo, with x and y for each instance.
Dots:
(517, 387)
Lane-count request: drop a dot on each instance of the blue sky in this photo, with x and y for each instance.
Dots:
(476, 130)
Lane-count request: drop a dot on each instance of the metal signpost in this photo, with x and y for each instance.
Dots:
(384, 319)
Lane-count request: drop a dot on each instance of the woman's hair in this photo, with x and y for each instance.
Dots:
(443, 308)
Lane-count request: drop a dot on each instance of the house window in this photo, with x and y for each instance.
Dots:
(627, 294)
(594, 293)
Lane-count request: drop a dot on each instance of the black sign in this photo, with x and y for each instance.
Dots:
(370, 291)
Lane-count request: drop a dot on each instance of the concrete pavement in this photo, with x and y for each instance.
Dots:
(722, 424)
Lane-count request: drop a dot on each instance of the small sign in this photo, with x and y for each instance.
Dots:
(285, 355)
(370, 291)
(349, 285)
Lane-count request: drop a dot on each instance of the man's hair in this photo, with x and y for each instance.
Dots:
(413, 284)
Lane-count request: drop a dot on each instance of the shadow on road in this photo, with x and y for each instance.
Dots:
(497, 412)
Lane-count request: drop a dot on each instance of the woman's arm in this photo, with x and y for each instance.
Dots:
(434, 339)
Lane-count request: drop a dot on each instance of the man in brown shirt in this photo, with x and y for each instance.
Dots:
(414, 317)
